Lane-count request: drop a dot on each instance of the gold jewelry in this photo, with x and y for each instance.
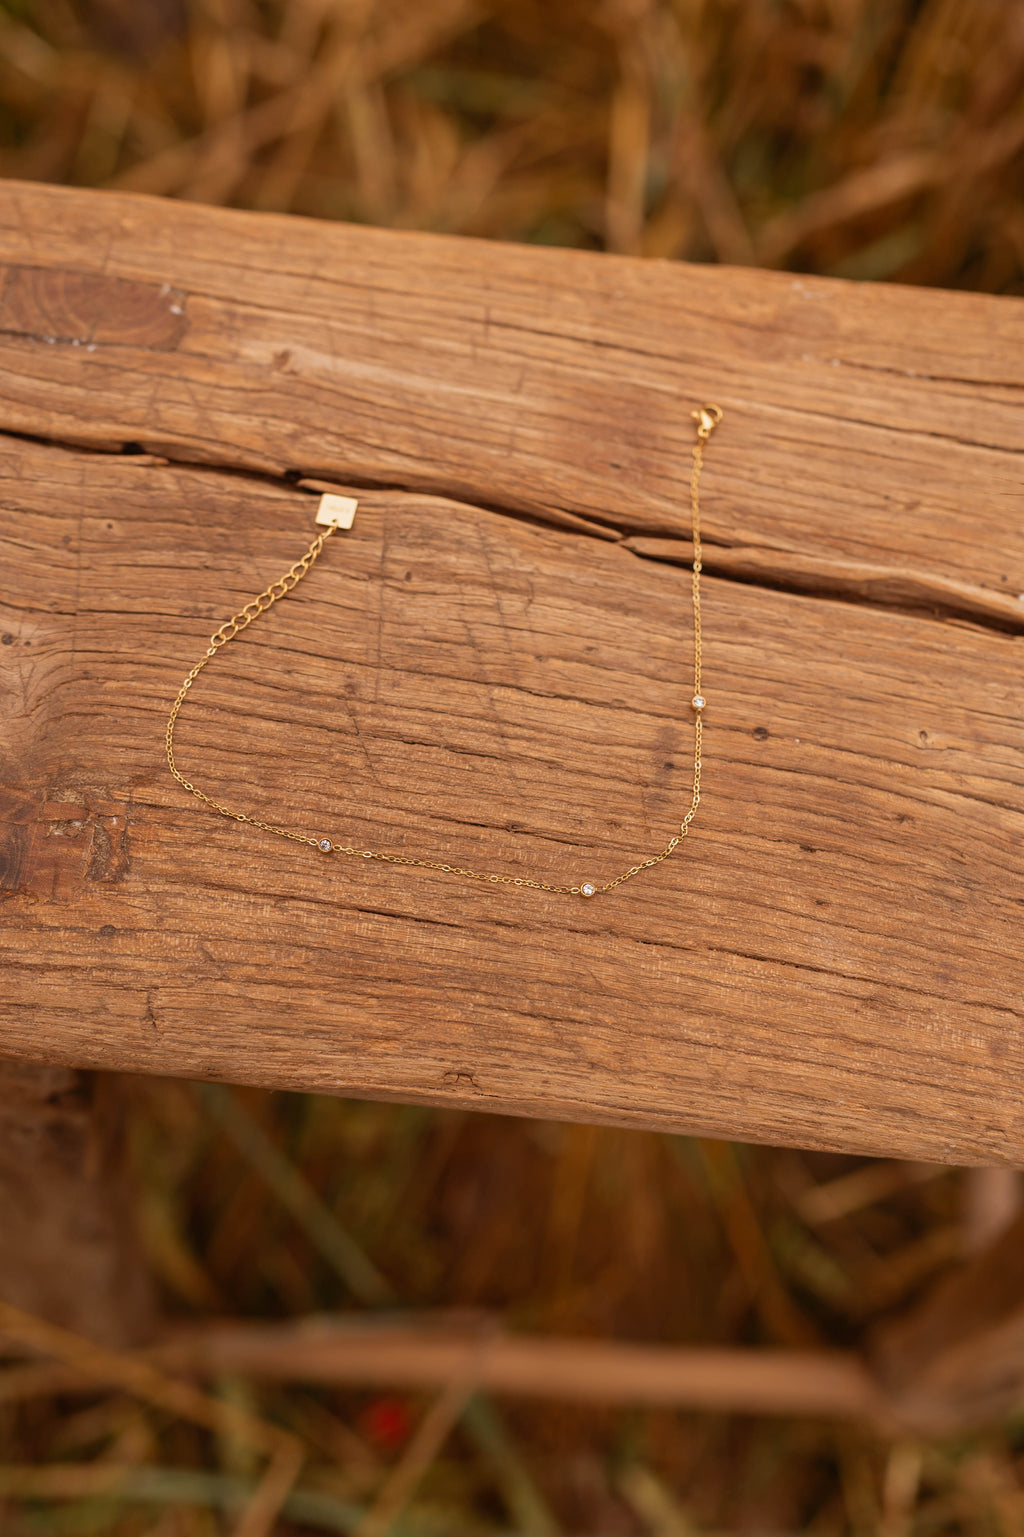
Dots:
(338, 512)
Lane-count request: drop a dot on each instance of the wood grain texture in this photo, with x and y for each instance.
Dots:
(492, 669)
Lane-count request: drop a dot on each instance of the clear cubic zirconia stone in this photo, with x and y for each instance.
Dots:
(698, 701)
(587, 889)
(326, 845)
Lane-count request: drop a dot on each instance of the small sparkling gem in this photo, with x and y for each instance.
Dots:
(325, 845)
(587, 889)
(698, 701)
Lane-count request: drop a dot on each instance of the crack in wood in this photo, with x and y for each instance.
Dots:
(891, 589)
(454, 1078)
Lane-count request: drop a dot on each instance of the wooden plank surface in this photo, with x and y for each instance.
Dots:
(492, 669)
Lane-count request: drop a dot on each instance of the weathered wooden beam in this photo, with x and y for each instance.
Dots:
(492, 670)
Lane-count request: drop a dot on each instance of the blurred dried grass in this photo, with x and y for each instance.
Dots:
(278, 1206)
(866, 138)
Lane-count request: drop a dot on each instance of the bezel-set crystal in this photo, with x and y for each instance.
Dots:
(325, 845)
(698, 701)
(588, 889)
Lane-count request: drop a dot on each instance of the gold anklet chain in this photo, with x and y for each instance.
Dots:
(707, 419)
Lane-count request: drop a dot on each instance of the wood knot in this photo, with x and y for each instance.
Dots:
(86, 309)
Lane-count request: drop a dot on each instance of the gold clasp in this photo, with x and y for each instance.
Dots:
(707, 419)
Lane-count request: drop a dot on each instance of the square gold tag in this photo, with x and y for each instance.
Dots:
(336, 511)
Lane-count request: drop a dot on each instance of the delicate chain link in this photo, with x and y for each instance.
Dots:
(707, 419)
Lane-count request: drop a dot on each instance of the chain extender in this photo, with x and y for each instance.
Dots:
(707, 419)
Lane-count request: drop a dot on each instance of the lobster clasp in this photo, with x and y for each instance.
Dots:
(707, 419)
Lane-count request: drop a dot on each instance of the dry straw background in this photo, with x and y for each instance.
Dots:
(871, 139)
(866, 138)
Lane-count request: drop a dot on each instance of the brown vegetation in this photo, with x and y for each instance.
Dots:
(284, 1207)
(865, 138)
